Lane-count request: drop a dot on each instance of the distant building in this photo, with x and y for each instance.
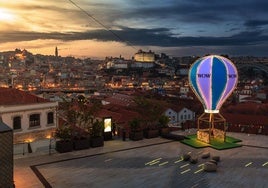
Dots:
(30, 117)
(117, 63)
(142, 56)
(261, 95)
(184, 90)
(179, 115)
(143, 59)
(136, 64)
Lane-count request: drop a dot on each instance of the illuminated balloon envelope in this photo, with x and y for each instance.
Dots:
(213, 78)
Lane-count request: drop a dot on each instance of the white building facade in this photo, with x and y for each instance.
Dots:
(29, 120)
(180, 116)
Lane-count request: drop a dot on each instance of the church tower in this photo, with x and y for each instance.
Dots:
(56, 52)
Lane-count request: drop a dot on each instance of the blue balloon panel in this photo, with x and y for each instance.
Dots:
(213, 78)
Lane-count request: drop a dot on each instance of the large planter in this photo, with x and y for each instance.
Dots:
(164, 131)
(63, 146)
(82, 143)
(151, 133)
(96, 141)
(107, 136)
(137, 135)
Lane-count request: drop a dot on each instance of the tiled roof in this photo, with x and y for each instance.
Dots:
(11, 96)
(119, 114)
(247, 113)
(106, 113)
(246, 119)
(247, 108)
(120, 99)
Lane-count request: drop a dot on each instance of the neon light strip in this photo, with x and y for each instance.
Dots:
(248, 164)
(205, 100)
(153, 161)
(185, 171)
(179, 160)
(230, 85)
(210, 89)
(184, 165)
(220, 102)
(191, 84)
(200, 170)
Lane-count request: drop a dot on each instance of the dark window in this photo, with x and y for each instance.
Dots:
(34, 120)
(50, 118)
(17, 122)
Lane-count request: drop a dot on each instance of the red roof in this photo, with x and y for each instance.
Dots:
(248, 108)
(11, 96)
(246, 119)
(118, 113)
(120, 99)
(106, 113)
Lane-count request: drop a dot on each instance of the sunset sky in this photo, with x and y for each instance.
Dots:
(175, 27)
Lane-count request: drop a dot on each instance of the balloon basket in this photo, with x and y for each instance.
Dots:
(211, 126)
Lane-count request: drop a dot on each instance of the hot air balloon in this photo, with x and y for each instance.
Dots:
(212, 78)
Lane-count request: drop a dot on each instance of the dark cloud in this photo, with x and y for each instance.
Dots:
(256, 23)
(233, 29)
(161, 37)
(188, 23)
(209, 11)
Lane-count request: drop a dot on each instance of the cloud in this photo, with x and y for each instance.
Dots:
(256, 23)
(193, 11)
(164, 24)
(161, 37)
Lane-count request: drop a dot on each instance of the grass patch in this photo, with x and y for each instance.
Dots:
(195, 143)
(232, 139)
(229, 143)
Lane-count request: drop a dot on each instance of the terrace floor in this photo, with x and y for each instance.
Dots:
(147, 163)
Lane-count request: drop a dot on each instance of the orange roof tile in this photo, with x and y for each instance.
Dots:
(246, 119)
(11, 96)
(106, 113)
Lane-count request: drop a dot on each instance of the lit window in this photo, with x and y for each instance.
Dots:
(50, 118)
(34, 120)
(17, 123)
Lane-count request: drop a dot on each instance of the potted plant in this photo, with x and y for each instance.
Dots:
(96, 139)
(163, 125)
(64, 142)
(81, 140)
(135, 131)
(151, 132)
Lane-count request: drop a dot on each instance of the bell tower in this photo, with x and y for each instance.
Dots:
(56, 51)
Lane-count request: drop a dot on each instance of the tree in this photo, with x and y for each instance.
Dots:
(134, 124)
(79, 114)
(163, 120)
(150, 110)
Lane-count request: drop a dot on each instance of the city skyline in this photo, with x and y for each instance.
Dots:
(111, 28)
